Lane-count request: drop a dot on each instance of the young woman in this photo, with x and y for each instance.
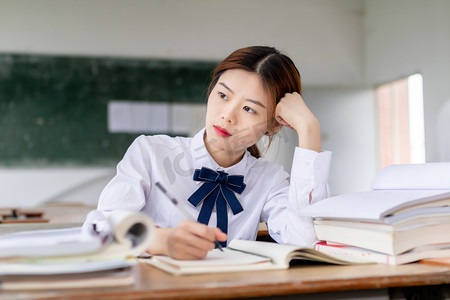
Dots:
(218, 175)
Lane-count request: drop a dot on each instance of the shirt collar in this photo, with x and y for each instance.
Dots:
(202, 158)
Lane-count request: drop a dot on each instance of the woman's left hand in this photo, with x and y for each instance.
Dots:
(292, 112)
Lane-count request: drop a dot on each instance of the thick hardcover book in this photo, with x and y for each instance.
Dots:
(408, 208)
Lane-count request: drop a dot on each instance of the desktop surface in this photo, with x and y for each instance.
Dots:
(152, 283)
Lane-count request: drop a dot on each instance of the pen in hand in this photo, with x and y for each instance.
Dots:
(182, 209)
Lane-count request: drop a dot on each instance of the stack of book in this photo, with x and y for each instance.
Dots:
(97, 254)
(404, 218)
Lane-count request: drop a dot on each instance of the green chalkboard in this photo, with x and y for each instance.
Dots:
(53, 109)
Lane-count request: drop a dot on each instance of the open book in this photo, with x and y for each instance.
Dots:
(102, 243)
(242, 255)
(378, 205)
(396, 189)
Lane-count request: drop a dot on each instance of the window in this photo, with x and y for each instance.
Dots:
(401, 121)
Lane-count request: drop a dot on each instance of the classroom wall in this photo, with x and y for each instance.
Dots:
(342, 47)
(324, 38)
(404, 37)
(345, 130)
(348, 128)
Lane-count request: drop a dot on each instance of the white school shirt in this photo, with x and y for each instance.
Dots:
(268, 196)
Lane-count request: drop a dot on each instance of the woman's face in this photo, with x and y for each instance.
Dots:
(238, 113)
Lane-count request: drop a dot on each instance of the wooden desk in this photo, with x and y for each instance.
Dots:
(152, 283)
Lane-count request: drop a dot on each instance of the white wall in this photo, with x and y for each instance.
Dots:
(404, 37)
(324, 37)
(342, 48)
(348, 129)
(32, 187)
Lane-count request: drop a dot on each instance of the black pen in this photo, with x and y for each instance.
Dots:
(182, 209)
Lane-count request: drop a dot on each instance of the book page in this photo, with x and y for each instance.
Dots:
(279, 253)
(62, 265)
(438, 204)
(124, 234)
(370, 205)
(132, 230)
(50, 242)
(216, 258)
(283, 254)
(243, 255)
(413, 176)
(391, 223)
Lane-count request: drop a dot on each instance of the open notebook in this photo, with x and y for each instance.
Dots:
(241, 255)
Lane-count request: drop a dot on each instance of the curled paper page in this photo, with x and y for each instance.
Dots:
(122, 230)
(133, 228)
(116, 234)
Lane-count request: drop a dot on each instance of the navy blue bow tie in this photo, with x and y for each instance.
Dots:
(218, 189)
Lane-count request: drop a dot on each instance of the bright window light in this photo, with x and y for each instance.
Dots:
(416, 118)
(401, 121)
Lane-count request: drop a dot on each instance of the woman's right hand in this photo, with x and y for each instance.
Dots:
(293, 112)
(189, 240)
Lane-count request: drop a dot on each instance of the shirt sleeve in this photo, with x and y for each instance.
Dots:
(127, 189)
(308, 184)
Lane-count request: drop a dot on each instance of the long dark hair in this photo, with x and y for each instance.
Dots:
(277, 72)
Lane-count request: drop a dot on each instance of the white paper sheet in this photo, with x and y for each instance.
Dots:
(370, 205)
(138, 117)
